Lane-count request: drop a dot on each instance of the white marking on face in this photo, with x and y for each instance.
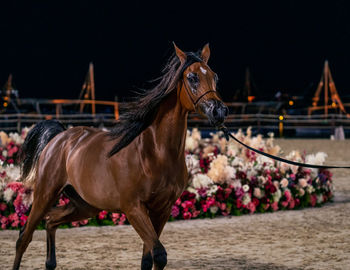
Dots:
(204, 71)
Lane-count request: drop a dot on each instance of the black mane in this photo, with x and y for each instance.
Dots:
(136, 116)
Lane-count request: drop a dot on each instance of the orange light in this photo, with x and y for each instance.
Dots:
(281, 117)
(251, 98)
(5, 104)
(334, 104)
(6, 98)
(291, 102)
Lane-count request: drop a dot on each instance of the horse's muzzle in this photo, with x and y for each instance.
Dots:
(215, 110)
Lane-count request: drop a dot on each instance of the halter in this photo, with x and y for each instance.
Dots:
(191, 59)
(198, 99)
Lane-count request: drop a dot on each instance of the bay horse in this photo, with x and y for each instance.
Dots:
(138, 167)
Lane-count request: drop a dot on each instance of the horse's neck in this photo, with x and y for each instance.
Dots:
(170, 125)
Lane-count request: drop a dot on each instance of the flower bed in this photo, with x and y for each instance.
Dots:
(225, 179)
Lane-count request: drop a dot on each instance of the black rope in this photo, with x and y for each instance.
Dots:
(228, 135)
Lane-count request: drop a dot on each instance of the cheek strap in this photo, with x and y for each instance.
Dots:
(195, 102)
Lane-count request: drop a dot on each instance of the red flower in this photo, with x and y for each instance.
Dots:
(102, 214)
(187, 215)
(270, 188)
(239, 203)
(255, 201)
(313, 200)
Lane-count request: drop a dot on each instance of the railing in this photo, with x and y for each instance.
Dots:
(14, 122)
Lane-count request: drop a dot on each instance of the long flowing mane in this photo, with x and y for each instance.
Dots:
(136, 116)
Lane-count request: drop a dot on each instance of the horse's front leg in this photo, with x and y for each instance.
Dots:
(153, 249)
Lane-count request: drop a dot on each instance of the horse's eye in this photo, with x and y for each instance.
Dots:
(193, 79)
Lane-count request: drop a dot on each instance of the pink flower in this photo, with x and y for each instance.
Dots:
(267, 206)
(210, 201)
(175, 211)
(102, 214)
(3, 206)
(284, 183)
(23, 219)
(287, 195)
(187, 204)
(75, 224)
(274, 206)
(313, 200)
(228, 191)
(291, 204)
(84, 221)
(4, 220)
(251, 207)
(204, 207)
(284, 203)
(15, 186)
(222, 206)
(178, 201)
(195, 213)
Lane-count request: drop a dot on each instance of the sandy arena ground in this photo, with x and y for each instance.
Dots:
(308, 239)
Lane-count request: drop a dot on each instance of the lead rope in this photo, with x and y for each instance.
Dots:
(227, 135)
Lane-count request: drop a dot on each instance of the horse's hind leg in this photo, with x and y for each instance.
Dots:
(44, 197)
(76, 209)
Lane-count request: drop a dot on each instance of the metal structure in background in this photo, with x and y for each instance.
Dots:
(327, 84)
(88, 90)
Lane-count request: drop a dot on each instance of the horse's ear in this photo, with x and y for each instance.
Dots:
(205, 53)
(182, 56)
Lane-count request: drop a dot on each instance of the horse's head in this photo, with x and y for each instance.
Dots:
(198, 87)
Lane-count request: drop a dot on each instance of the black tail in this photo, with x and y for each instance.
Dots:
(38, 137)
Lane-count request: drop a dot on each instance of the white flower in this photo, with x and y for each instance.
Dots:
(230, 173)
(213, 209)
(190, 144)
(277, 195)
(192, 190)
(16, 138)
(13, 173)
(201, 181)
(4, 153)
(236, 184)
(212, 190)
(217, 169)
(319, 198)
(317, 159)
(245, 188)
(8, 193)
(310, 189)
(246, 199)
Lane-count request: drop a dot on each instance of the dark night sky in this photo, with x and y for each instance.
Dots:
(47, 45)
